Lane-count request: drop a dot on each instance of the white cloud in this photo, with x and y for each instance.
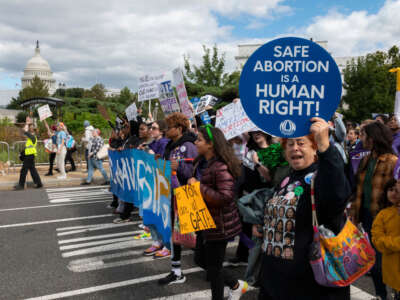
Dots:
(115, 42)
(358, 32)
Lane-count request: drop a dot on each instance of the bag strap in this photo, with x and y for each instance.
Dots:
(313, 207)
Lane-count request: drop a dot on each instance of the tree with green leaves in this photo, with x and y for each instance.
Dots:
(370, 88)
(209, 77)
(125, 97)
(98, 91)
(14, 103)
(37, 88)
(210, 72)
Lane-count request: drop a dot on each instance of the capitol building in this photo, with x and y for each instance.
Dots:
(38, 66)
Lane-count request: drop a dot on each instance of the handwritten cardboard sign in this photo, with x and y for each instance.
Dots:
(148, 87)
(192, 210)
(233, 120)
(131, 112)
(44, 112)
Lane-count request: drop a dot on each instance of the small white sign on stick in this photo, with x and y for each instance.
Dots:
(44, 112)
(149, 87)
(233, 120)
(131, 112)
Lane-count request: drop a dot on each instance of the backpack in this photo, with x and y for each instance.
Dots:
(70, 143)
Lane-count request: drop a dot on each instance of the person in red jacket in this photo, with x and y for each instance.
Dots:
(217, 189)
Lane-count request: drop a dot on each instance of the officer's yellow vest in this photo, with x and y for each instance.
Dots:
(30, 148)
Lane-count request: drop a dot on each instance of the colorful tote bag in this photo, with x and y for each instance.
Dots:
(340, 260)
(187, 240)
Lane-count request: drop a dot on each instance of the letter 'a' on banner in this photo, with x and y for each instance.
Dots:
(288, 81)
(136, 177)
(192, 210)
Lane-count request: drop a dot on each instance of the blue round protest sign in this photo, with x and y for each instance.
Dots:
(288, 81)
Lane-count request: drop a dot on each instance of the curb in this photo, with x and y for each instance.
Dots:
(71, 182)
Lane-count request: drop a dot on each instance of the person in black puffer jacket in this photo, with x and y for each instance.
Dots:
(217, 188)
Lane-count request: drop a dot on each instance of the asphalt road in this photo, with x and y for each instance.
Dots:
(61, 244)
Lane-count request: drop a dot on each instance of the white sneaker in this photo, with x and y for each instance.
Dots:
(236, 294)
(119, 220)
(141, 226)
(62, 177)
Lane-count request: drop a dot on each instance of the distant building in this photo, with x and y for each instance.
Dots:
(11, 114)
(38, 66)
(113, 92)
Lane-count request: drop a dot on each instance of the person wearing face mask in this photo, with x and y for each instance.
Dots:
(288, 275)
(255, 175)
(386, 236)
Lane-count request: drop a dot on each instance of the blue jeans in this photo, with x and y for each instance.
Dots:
(254, 262)
(95, 164)
(154, 233)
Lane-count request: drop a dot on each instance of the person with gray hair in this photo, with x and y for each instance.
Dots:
(86, 140)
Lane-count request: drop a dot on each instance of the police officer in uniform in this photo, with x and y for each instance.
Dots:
(29, 158)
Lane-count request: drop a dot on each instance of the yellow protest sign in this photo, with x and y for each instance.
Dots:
(192, 210)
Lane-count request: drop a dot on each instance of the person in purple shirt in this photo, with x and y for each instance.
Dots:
(157, 131)
(394, 126)
(157, 147)
(180, 147)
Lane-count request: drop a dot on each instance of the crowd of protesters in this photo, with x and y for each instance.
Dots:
(353, 167)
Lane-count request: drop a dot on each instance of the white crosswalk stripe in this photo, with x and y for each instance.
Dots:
(97, 237)
(99, 247)
(98, 243)
(71, 195)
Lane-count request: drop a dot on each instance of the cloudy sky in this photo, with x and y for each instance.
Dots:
(115, 42)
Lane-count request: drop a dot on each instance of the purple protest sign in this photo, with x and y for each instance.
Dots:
(167, 99)
(397, 170)
(355, 158)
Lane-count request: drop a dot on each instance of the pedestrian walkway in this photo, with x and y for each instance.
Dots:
(8, 181)
(102, 247)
